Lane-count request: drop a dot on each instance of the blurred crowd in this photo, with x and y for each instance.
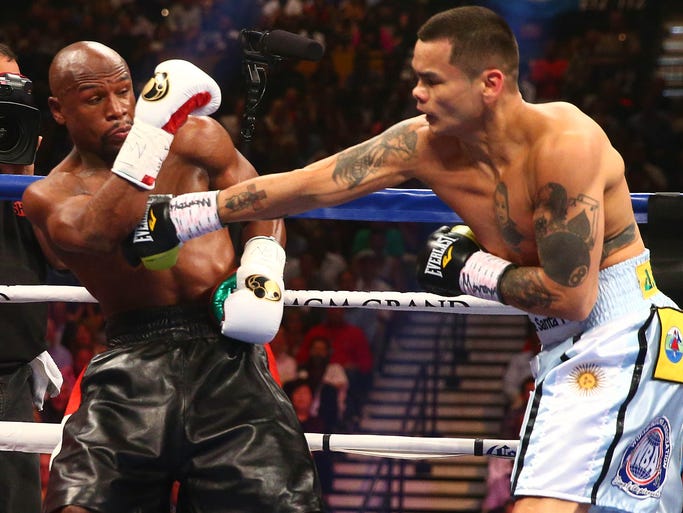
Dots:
(601, 62)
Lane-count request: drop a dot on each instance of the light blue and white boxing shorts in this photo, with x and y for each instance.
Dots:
(605, 424)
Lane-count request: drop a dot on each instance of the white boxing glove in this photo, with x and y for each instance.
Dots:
(178, 89)
(249, 304)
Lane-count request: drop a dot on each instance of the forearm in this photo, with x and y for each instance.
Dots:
(264, 197)
(280, 195)
(98, 223)
(274, 228)
(453, 264)
(530, 289)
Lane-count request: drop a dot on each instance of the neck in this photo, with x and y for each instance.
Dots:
(499, 134)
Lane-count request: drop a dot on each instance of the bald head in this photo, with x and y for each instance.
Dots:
(92, 96)
(82, 61)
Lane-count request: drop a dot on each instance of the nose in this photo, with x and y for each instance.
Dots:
(116, 107)
(419, 93)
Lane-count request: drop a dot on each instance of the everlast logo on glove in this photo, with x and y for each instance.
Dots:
(437, 259)
(144, 229)
(446, 252)
(154, 242)
(156, 87)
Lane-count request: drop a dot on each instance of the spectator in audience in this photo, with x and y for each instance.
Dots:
(322, 374)
(518, 369)
(351, 349)
(60, 354)
(642, 174)
(547, 73)
(295, 322)
(285, 362)
(76, 335)
(386, 242)
(361, 277)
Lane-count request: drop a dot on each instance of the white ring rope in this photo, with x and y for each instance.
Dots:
(44, 437)
(413, 301)
(411, 447)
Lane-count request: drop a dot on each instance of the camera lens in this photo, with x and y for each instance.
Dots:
(10, 133)
(19, 129)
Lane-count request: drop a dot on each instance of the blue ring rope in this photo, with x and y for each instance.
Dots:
(394, 205)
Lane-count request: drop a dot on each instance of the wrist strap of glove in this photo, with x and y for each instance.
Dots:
(481, 275)
(195, 214)
(142, 154)
(264, 251)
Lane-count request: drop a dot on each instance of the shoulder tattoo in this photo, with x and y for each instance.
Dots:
(354, 164)
(565, 231)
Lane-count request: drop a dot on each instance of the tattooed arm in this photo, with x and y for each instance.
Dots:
(386, 160)
(568, 220)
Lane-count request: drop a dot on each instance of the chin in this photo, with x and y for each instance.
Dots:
(432, 125)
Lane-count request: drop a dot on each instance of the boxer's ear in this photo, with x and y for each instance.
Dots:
(56, 110)
(493, 81)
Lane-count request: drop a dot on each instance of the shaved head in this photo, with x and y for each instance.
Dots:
(81, 61)
(92, 95)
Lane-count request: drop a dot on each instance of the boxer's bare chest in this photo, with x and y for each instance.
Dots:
(496, 202)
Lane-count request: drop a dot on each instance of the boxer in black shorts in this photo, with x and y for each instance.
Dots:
(230, 448)
(177, 396)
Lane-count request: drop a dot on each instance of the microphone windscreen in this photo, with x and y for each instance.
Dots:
(287, 44)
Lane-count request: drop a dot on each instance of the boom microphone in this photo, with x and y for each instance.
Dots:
(285, 44)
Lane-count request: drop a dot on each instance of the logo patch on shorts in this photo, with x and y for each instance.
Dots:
(669, 366)
(643, 467)
(646, 280)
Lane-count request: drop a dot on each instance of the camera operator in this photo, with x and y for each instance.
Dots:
(27, 371)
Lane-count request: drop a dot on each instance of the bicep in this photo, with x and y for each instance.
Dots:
(204, 143)
(57, 219)
(569, 212)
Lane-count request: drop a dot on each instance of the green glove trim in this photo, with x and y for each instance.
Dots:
(223, 290)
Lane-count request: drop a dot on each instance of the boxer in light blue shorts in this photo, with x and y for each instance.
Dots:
(609, 400)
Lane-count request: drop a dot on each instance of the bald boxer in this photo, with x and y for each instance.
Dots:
(172, 399)
(551, 231)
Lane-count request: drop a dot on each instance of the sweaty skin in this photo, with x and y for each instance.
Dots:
(567, 210)
(84, 211)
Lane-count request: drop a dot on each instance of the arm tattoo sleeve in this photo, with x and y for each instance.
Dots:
(565, 233)
(621, 239)
(251, 199)
(524, 287)
(355, 164)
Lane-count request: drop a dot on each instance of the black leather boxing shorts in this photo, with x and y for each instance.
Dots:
(174, 400)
